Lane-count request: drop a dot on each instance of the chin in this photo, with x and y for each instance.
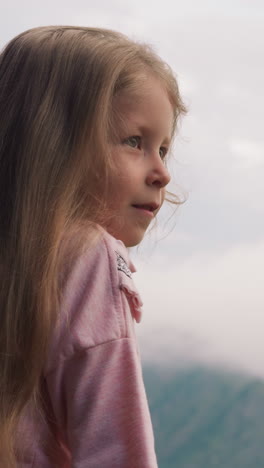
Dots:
(129, 239)
(132, 241)
(131, 244)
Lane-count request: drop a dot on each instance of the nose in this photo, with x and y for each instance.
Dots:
(158, 174)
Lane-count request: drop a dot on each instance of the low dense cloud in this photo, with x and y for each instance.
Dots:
(206, 309)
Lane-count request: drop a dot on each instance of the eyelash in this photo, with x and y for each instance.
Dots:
(134, 138)
(138, 140)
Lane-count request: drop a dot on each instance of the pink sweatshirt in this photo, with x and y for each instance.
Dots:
(93, 392)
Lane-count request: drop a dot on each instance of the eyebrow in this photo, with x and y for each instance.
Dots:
(148, 131)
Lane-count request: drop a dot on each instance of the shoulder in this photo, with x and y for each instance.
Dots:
(99, 298)
(101, 269)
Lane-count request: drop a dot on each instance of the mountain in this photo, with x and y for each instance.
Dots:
(206, 419)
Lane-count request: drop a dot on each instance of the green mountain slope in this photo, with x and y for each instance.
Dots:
(206, 419)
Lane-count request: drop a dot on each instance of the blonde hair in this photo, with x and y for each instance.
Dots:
(56, 90)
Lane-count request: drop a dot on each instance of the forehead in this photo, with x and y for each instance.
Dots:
(149, 105)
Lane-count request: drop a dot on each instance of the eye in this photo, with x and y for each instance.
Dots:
(133, 141)
(163, 151)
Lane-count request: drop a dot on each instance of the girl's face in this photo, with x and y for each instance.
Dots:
(144, 136)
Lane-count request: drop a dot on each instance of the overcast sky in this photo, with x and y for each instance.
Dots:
(202, 285)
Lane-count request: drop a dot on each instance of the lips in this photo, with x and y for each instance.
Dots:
(147, 206)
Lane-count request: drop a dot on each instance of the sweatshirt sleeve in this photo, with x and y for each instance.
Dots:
(95, 382)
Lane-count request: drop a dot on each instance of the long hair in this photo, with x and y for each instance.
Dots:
(57, 85)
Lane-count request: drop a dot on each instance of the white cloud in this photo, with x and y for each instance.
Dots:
(207, 309)
(247, 153)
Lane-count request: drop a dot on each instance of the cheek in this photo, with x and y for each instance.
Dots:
(121, 178)
(118, 188)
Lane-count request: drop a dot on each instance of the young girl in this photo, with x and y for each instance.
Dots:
(86, 120)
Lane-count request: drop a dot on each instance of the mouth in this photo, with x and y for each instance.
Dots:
(151, 207)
